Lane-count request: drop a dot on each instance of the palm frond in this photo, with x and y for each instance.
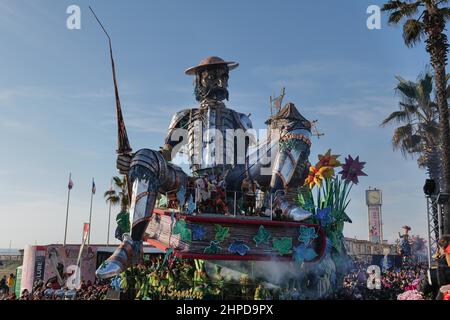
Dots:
(396, 116)
(413, 32)
(425, 85)
(445, 12)
(409, 108)
(118, 182)
(392, 5)
(109, 193)
(114, 199)
(401, 9)
(406, 88)
(401, 134)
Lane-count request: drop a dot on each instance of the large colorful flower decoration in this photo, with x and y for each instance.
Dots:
(328, 160)
(352, 169)
(317, 175)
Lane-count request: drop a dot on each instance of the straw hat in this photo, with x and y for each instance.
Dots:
(210, 61)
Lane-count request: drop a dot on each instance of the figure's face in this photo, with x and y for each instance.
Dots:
(212, 83)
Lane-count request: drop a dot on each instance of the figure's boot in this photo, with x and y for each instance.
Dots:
(127, 254)
(291, 211)
(149, 175)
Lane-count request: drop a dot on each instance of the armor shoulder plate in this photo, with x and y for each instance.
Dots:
(245, 120)
(176, 122)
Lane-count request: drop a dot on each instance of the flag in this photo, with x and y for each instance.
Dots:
(70, 186)
(93, 187)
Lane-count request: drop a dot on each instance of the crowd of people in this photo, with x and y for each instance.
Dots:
(408, 282)
(391, 283)
(42, 291)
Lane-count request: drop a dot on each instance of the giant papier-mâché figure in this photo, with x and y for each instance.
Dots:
(212, 134)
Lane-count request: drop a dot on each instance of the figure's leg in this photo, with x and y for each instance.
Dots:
(289, 172)
(149, 174)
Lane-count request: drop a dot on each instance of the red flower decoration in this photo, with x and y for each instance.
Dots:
(352, 169)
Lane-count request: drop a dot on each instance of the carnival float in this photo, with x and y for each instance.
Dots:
(248, 199)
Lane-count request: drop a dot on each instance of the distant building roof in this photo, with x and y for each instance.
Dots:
(10, 252)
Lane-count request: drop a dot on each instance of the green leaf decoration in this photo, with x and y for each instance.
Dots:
(221, 232)
(336, 241)
(342, 216)
(307, 234)
(283, 245)
(181, 229)
(213, 248)
(262, 236)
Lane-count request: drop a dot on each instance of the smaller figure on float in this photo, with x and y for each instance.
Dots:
(405, 245)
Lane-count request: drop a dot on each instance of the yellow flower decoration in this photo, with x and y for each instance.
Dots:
(328, 160)
(317, 175)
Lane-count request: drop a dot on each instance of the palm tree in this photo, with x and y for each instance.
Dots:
(430, 25)
(118, 195)
(419, 130)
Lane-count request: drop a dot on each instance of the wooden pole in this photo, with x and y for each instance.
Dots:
(67, 211)
(90, 215)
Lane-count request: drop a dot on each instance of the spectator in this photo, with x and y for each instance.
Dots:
(11, 281)
(444, 248)
(3, 286)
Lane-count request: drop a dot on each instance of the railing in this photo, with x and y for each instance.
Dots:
(7, 257)
(235, 203)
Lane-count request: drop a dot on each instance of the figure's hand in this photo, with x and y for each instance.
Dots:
(123, 163)
(166, 152)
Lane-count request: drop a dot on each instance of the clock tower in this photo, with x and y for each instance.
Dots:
(373, 201)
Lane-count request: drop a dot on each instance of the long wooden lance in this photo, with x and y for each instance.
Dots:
(123, 144)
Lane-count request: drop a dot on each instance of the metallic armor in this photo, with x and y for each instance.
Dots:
(150, 172)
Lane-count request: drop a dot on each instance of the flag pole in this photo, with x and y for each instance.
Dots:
(90, 213)
(67, 211)
(109, 218)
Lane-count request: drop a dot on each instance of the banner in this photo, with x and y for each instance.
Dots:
(375, 224)
(39, 263)
(62, 264)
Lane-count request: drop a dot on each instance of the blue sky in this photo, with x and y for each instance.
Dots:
(57, 103)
